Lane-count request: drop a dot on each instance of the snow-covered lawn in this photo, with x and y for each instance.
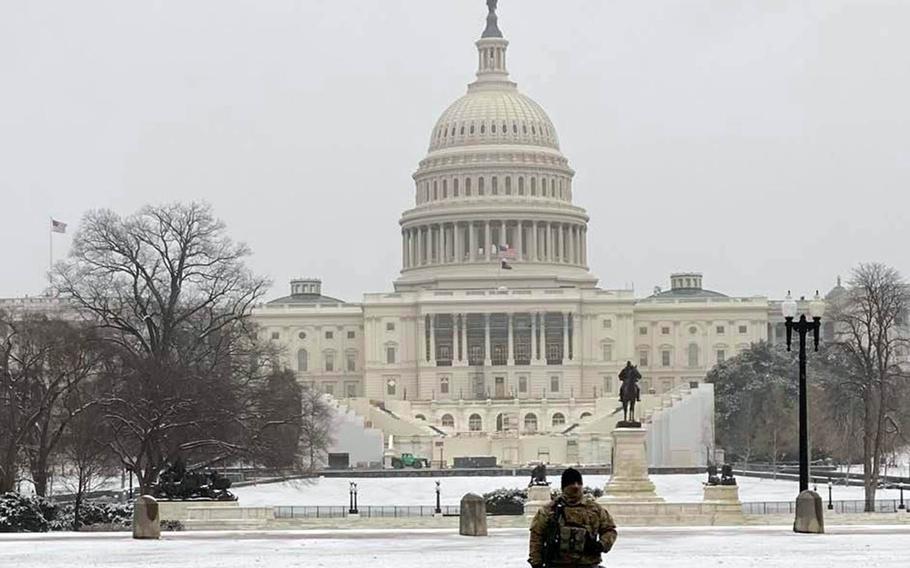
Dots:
(767, 547)
(421, 490)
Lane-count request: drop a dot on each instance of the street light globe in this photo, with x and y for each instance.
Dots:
(817, 306)
(789, 306)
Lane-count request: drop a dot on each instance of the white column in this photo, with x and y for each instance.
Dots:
(565, 337)
(502, 233)
(535, 349)
(459, 248)
(488, 240)
(433, 339)
(464, 337)
(520, 241)
(543, 335)
(472, 241)
(535, 254)
(487, 355)
(572, 259)
(584, 246)
(419, 246)
(440, 248)
(404, 249)
(511, 324)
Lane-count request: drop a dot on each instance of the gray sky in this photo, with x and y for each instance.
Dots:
(764, 142)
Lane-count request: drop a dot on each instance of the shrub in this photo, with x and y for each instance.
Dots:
(20, 513)
(506, 501)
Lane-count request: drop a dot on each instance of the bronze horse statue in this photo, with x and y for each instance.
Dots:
(629, 392)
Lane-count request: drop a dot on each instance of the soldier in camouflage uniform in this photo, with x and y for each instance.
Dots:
(572, 531)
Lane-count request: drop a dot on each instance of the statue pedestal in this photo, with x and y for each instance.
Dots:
(538, 496)
(722, 493)
(630, 481)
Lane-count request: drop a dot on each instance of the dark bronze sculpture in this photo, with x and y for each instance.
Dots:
(629, 394)
(492, 21)
(726, 475)
(178, 484)
(539, 476)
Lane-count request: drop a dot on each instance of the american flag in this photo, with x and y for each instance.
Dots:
(507, 252)
(57, 226)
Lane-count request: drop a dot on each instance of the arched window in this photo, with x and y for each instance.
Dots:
(559, 419)
(328, 358)
(483, 128)
(493, 128)
(499, 423)
(494, 189)
(447, 421)
(521, 185)
(420, 417)
(302, 360)
(467, 187)
(508, 185)
(514, 128)
(543, 185)
(462, 129)
(693, 355)
(475, 423)
(530, 422)
(435, 190)
(534, 187)
(480, 186)
(585, 415)
(455, 187)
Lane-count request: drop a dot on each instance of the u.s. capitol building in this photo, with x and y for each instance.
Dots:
(471, 356)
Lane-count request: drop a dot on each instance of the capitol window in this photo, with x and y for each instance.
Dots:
(743, 329)
(390, 326)
(508, 185)
(455, 187)
(475, 423)
(521, 186)
(329, 361)
(554, 384)
(447, 421)
(523, 383)
(330, 335)
(301, 335)
(693, 355)
(390, 355)
(351, 360)
(445, 189)
(483, 128)
(559, 419)
(642, 358)
(495, 186)
(493, 128)
(721, 355)
(720, 330)
(514, 128)
(665, 358)
(534, 186)
(665, 331)
(607, 323)
(530, 422)
(643, 331)
(467, 187)
(352, 335)
(302, 360)
(444, 385)
(472, 128)
(607, 352)
(480, 186)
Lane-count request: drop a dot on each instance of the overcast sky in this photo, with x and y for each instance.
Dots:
(764, 142)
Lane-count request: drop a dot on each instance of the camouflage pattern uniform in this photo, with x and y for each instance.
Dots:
(584, 512)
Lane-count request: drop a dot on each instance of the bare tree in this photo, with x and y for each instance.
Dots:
(42, 362)
(869, 321)
(171, 293)
(315, 428)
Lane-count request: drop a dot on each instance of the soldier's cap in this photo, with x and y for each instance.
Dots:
(570, 477)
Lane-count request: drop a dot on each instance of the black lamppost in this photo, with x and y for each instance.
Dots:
(438, 507)
(351, 498)
(830, 500)
(356, 512)
(803, 327)
(902, 506)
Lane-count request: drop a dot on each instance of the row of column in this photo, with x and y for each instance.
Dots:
(538, 346)
(479, 241)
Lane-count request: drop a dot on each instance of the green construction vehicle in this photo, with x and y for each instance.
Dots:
(408, 460)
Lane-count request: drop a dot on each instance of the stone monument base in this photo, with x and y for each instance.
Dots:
(630, 481)
(538, 496)
(810, 516)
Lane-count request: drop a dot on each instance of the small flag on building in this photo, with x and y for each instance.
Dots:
(57, 226)
(506, 253)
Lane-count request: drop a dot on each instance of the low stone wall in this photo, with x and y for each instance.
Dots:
(178, 510)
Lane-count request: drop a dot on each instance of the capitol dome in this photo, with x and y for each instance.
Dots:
(494, 116)
(493, 196)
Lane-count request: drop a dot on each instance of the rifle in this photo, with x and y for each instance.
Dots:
(551, 544)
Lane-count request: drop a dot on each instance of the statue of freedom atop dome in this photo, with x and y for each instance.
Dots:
(492, 20)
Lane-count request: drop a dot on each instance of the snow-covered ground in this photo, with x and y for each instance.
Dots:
(767, 547)
(421, 490)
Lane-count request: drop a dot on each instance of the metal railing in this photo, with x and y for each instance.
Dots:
(331, 512)
(840, 507)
